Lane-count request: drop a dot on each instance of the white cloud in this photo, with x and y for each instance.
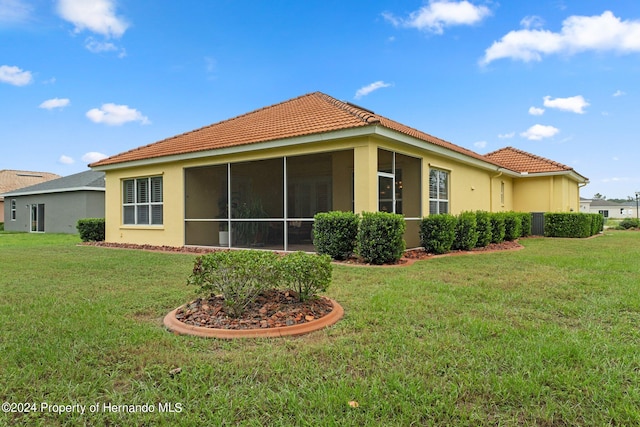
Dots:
(531, 22)
(619, 93)
(366, 90)
(574, 104)
(115, 115)
(535, 111)
(66, 160)
(93, 156)
(538, 132)
(96, 46)
(439, 14)
(97, 16)
(506, 135)
(480, 144)
(15, 11)
(578, 34)
(14, 75)
(50, 104)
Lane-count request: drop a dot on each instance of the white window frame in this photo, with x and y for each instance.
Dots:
(439, 198)
(141, 205)
(14, 210)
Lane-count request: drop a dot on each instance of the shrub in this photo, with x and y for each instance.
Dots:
(437, 233)
(526, 219)
(239, 276)
(629, 223)
(568, 224)
(306, 274)
(91, 229)
(1, 226)
(483, 226)
(466, 232)
(512, 226)
(497, 227)
(597, 223)
(335, 233)
(381, 237)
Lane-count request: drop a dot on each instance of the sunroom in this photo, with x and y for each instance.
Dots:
(270, 203)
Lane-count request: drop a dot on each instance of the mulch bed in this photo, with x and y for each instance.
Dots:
(273, 308)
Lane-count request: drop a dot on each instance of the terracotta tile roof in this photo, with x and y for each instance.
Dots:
(521, 161)
(309, 114)
(14, 179)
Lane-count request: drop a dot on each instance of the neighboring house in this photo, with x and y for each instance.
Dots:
(609, 209)
(56, 206)
(12, 179)
(257, 180)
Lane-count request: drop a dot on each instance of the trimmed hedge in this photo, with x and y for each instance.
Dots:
(91, 229)
(575, 224)
(526, 219)
(335, 233)
(512, 226)
(381, 237)
(497, 227)
(466, 235)
(438, 232)
(483, 226)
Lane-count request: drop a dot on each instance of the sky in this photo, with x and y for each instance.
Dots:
(85, 79)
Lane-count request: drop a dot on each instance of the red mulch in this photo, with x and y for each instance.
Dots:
(273, 308)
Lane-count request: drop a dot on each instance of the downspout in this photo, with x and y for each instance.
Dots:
(491, 189)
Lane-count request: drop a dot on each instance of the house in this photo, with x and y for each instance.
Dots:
(56, 206)
(257, 180)
(13, 179)
(609, 209)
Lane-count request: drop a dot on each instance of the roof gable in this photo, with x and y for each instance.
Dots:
(13, 179)
(314, 113)
(87, 180)
(523, 162)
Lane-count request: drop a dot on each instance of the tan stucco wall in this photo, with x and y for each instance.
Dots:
(171, 233)
(470, 187)
(546, 194)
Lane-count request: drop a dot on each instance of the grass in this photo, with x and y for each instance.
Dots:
(543, 336)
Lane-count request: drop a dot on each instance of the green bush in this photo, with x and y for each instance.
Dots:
(629, 223)
(1, 226)
(512, 226)
(526, 220)
(597, 223)
(497, 227)
(573, 224)
(91, 229)
(437, 233)
(466, 232)
(483, 226)
(381, 237)
(335, 233)
(306, 274)
(239, 276)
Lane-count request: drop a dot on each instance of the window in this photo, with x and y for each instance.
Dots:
(502, 193)
(438, 191)
(604, 213)
(142, 201)
(13, 209)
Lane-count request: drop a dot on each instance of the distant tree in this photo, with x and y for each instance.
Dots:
(599, 196)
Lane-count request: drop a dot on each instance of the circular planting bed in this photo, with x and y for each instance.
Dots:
(274, 313)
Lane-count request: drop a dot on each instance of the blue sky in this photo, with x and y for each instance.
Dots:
(81, 79)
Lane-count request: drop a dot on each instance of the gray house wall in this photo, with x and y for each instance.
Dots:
(61, 210)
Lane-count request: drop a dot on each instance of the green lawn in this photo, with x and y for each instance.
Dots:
(548, 335)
